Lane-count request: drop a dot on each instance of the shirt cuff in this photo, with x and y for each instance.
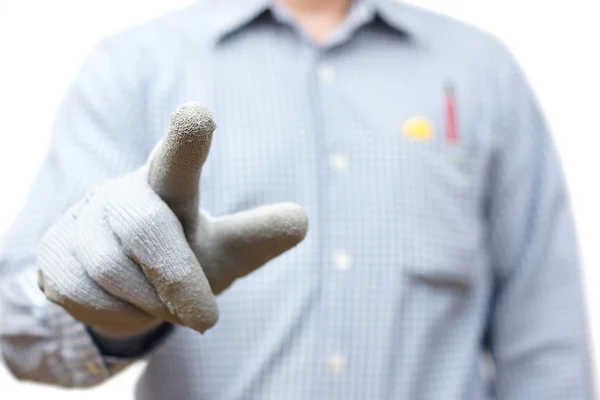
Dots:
(44, 343)
(78, 361)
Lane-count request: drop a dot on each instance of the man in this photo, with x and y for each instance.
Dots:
(439, 227)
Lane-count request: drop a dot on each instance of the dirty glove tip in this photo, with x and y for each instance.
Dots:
(192, 121)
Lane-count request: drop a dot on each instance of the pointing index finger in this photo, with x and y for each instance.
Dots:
(176, 165)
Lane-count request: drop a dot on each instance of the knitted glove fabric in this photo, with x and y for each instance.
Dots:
(138, 250)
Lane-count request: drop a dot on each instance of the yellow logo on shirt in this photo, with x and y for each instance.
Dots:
(418, 128)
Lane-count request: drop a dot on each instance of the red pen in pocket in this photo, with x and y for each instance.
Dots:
(451, 118)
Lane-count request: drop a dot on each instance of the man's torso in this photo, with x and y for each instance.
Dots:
(385, 139)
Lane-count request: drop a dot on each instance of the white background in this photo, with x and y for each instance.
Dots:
(42, 43)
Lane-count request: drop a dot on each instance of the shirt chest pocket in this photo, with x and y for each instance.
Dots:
(438, 212)
(441, 268)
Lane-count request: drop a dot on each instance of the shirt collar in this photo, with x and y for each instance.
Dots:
(234, 15)
(229, 16)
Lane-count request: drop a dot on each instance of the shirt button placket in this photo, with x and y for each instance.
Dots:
(338, 259)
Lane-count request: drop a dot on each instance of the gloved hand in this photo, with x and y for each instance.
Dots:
(138, 250)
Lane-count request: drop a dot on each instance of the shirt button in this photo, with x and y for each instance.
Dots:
(342, 260)
(326, 74)
(93, 368)
(336, 363)
(339, 162)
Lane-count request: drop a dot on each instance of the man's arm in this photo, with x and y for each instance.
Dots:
(538, 331)
(99, 133)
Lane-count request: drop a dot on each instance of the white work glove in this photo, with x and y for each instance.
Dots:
(138, 250)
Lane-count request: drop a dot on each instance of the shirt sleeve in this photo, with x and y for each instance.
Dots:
(99, 132)
(538, 332)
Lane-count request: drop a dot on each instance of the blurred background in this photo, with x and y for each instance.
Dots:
(43, 42)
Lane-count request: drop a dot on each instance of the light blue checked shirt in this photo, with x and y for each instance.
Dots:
(440, 225)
